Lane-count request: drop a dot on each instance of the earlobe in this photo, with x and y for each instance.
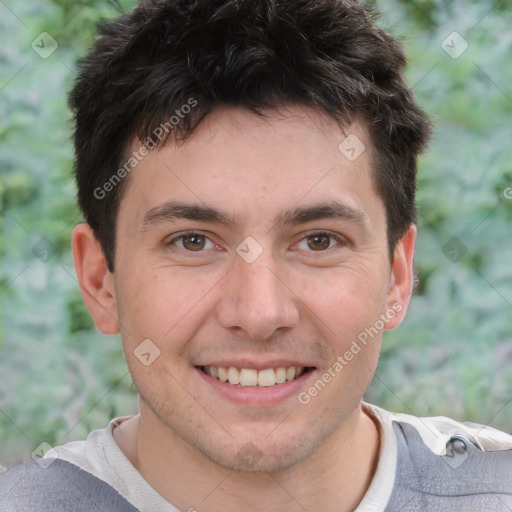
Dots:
(96, 282)
(402, 278)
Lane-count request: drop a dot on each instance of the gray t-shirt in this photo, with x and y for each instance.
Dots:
(425, 464)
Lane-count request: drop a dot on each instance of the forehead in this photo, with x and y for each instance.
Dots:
(248, 164)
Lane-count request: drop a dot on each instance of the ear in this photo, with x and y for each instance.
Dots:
(96, 282)
(402, 279)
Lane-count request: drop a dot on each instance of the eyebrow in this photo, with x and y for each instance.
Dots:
(331, 210)
(173, 210)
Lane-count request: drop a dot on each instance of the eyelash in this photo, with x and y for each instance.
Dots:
(340, 241)
(183, 235)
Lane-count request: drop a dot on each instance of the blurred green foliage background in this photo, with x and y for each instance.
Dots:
(60, 378)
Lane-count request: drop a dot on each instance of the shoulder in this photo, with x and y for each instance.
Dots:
(443, 464)
(57, 486)
(436, 431)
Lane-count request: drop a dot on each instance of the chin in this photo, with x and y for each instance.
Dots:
(249, 458)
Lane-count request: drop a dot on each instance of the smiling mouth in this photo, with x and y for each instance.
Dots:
(248, 377)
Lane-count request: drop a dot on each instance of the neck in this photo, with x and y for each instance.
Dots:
(333, 478)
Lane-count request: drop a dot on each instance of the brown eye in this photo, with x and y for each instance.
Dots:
(319, 242)
(193, 242)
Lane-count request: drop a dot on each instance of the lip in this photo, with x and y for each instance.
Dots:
(257, 396)
(256, 365)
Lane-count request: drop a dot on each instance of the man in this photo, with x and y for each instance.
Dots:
(247, 174)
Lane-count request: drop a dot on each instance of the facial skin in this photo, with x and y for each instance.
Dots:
(297, 302)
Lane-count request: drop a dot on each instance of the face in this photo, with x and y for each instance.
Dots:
(257, 246)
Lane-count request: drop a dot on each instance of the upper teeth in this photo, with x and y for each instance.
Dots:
(252, 377)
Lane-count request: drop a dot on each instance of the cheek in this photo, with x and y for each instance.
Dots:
(160, 301)
(345, 301)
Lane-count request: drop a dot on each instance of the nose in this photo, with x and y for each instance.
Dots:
(257, 299)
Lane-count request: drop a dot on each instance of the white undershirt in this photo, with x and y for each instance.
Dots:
(100, 455)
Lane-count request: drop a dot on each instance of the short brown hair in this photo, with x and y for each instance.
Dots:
(255, 54)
